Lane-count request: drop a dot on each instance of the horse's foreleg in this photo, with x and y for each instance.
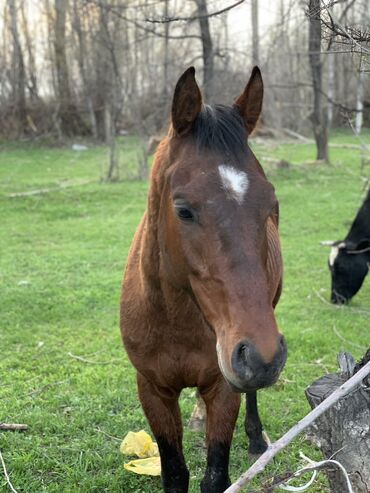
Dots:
(222, 412)
(164, 417)
(253, 426)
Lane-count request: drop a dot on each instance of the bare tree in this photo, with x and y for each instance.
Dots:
(18, 71)
(255, 35)
(207, 47)
(70, 120)
(82, 59)
(32, 77)
(318, 118)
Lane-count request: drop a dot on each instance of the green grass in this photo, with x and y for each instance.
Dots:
(62, 257)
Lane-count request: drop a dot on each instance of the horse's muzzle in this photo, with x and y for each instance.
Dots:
(250, 370)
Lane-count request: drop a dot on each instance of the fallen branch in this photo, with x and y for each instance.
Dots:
(7, 479)
(298, 136)
(276, 447)
(346, 146)
(13, 426)
(45, 387)
(89, 361)
(108, 435)
(40, 191)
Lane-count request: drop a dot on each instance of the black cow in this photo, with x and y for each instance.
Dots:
(349, 259)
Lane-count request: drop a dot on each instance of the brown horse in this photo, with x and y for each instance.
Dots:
(202, 280)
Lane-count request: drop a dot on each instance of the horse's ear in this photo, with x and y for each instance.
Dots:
(249, 104)
(187, 102)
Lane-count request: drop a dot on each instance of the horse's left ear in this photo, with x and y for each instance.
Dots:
(187, 102)
(249, 104)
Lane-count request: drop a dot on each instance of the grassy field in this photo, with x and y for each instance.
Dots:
(62, 257)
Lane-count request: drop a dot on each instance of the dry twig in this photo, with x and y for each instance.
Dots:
(46, 387)
(6, 474)
(89, 361)
(109, 436)
(40, 191)
(194, 17)
(13, 426)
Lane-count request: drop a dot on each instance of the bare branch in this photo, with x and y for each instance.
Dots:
(194, 17)
(6, 474)
(89, 361)
(13, 427)
(137, 24)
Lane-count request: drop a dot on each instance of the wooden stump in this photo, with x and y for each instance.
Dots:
(343, 432)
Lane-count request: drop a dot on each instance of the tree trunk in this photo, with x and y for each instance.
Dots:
(318, 118)
(82, 57)
(19, 76)
(64, 94)
(166, 63)
(360, 100)
(70, 120)
(32, 70)
(255, 36)
(207, 45)
(342, 432)
(331, 86)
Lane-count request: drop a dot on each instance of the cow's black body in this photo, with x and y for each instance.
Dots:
(350, 258)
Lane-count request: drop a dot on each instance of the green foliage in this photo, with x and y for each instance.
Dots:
(62, 257)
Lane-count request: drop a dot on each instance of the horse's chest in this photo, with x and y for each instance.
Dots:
(187, 362)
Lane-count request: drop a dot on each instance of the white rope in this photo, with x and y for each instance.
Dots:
(6, 474)
(315, 465)
(304, 487)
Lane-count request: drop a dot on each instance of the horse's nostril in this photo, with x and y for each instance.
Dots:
(244, 361)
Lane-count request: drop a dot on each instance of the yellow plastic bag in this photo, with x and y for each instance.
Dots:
(141, 445)
(150, 466)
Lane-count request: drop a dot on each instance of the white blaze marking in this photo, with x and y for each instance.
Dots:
(333, 255)
(235, 182)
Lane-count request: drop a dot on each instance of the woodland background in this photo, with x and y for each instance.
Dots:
(104, 68)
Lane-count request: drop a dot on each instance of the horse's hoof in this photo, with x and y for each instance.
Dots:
(196, 424)
(258, 447)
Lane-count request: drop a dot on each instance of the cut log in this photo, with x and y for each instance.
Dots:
(343, 431)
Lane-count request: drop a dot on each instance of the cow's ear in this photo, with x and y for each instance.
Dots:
(362, 246)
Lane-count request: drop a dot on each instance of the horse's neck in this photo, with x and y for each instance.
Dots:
(150, 254)
(162, 294)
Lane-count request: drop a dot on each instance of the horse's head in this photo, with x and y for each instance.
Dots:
(218, 218)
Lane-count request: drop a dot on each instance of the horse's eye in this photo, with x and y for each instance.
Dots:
(184, 214)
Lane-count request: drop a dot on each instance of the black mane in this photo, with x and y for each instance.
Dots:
(221, 129)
